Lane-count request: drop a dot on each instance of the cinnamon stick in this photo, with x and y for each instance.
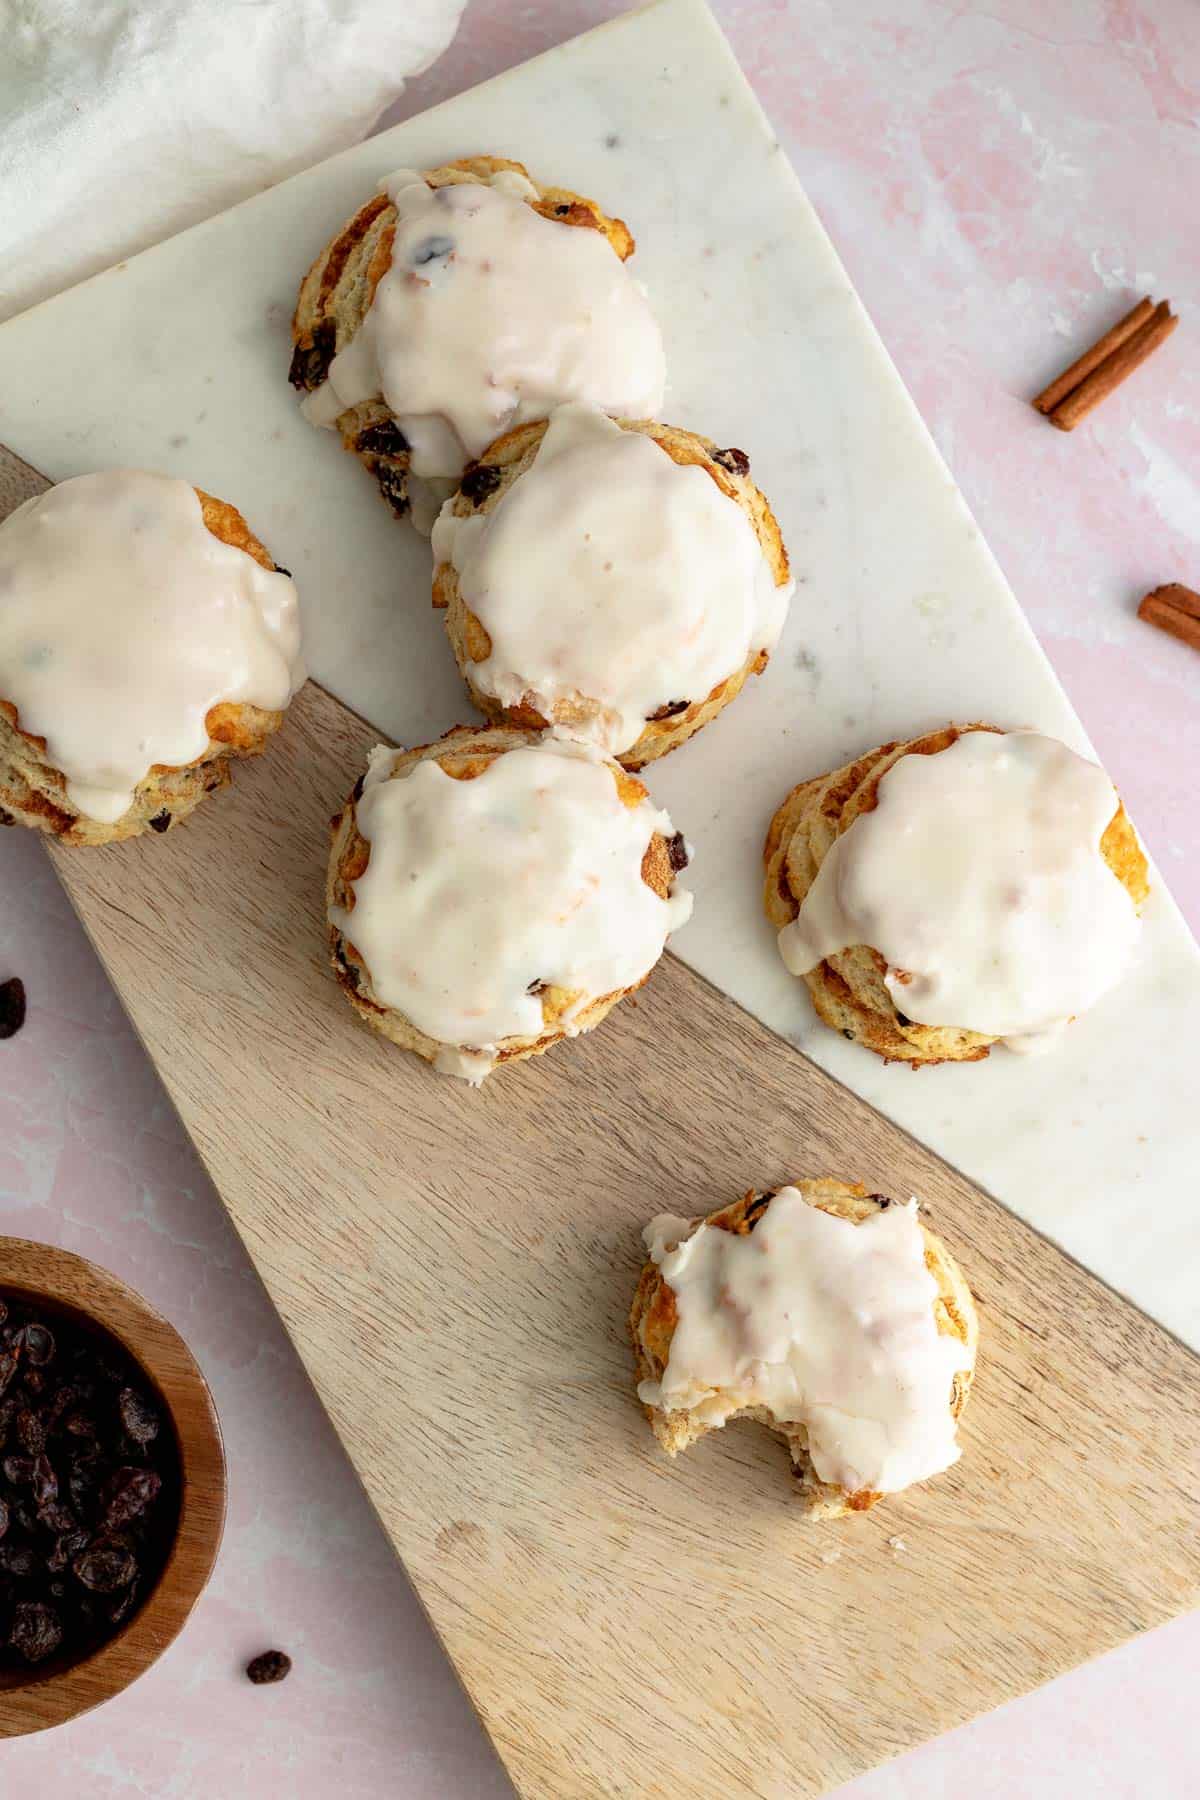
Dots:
(1070, 378)
(1176, 609)
(1115, 368)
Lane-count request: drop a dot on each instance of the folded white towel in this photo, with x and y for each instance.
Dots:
(122, 121)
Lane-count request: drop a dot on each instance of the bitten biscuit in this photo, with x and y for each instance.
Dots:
(655, 1317)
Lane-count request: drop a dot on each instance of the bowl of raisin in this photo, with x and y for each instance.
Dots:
(112, 1485)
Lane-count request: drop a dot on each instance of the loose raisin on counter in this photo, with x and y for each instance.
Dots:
(12, 1006)
(271, 1665)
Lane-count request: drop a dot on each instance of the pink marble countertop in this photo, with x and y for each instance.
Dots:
(997, 183)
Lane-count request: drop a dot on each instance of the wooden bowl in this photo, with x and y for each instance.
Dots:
(69, 1285)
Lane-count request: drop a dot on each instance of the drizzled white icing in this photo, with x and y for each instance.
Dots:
(123, 621)
(823, 1322)
(611, 580)
(479, 892)
(978, 877)
(491, 315)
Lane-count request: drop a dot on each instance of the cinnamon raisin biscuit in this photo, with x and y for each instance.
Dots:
(852, 1334)
(463, 301)
(989, 898)
(617, 580)
(146, 637)
(496, 892)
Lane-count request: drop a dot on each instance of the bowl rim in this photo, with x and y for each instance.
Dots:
(67, 1280)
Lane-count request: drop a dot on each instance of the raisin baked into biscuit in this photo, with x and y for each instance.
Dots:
(458, 303)
(496, 892)
(146, 637)
(969, 887)
(616, 580)
(825, 1312)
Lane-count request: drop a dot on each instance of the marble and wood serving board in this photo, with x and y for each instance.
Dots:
(176, 360)
(455, 1267)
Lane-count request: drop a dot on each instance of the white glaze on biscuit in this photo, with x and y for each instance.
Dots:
(489, 316)
(612, 578)
(123, 621)
(823, 1322)
(978, 877)
(481, 892)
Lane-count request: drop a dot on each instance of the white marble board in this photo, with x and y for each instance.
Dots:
(177, 360)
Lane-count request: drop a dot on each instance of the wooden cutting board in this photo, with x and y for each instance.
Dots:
(455, 1268)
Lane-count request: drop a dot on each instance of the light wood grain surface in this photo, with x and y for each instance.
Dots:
(456, 1268)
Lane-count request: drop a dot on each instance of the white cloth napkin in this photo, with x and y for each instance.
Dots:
(122, 121)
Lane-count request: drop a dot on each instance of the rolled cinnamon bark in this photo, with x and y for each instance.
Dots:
(1115, 368)
(1070, 378)
(1176, 609)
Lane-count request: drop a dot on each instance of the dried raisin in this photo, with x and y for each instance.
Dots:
(393, 485)
(105, 1566)
(310, 362)
(734, 462)
(479, 480)
(384, 438)
(127, 1496)
(677, 852)
(270, 1665)
(137, 1416)
(89, 1490)
(12, 1006)
(36, 1630)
